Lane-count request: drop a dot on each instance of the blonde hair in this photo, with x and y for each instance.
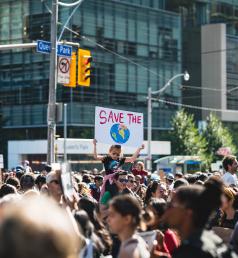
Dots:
(37, 227)
(140, 163)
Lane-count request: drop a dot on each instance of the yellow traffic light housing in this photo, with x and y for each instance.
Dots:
(72, 82)
(84, 67)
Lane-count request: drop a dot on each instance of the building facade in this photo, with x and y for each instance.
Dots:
(210, 37)
(142, 31)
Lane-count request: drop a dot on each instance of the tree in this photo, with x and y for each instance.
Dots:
(185, 137)
(216, 136)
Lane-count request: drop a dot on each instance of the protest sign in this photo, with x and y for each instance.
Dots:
(115, 126)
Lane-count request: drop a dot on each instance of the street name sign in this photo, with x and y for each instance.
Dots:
(45, 48)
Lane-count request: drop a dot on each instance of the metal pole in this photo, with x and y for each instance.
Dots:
(65, 132)
(149, 129)
(52, 85)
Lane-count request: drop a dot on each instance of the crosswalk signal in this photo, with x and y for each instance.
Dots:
(84, 67)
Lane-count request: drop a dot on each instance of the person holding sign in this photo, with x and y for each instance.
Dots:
(113, 161)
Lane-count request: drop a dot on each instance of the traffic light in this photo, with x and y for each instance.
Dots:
(84, 67)
(72, 81)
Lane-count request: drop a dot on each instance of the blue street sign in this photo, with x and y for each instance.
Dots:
(64, 50)
(45, 47)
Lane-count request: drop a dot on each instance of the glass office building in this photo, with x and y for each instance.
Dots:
(195, 14)
(148, 36)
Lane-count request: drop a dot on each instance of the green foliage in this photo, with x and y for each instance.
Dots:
(216, 136)
(185, 137)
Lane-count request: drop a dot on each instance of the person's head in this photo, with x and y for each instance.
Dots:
(140, 166)
(115, 151)
(138, 179)
(85, 225)
(230, 164)
(47, 168)
(123, 214)
(53, 184)
(228, 198)
(27, 182)
(98, 180)
(155, 190)
(121, 180)
(192, 205)
(178, 175)
(169, 178)
(157, 207)
(13, 181)
(7, 189)
(131, 181)
(86, 179)
(40, 181)
(37, 227)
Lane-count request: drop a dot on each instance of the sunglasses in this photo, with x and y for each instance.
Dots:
(55, 181)
(121, 180)
(132, 181)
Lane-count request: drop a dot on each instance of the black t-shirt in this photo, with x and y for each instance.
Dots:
(204, 244)
(111, 165)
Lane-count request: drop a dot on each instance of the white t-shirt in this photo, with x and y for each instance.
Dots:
(229, 179)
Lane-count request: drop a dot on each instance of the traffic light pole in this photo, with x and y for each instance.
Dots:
(52, 86)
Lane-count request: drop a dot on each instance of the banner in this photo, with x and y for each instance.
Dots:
(115, 126)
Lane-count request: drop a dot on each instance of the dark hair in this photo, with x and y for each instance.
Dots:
(127, 205)
(151, 189)
(159, 205)
(7, 189)
(40, 180)
(91, 207)
(86, 179)
(87, 227)
(203, 177)
(121, 173)
(202, 200)
(98, 178)
(48, 168)
(228, 160)
(179, 182)
(116, 146)
(13, 181)
(27, 181)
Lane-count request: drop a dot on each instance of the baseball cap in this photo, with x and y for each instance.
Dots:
(170, 177)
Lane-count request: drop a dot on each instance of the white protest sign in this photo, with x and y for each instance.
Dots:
(66, 180)
(115, 126)
(1, 161)
(63, 70)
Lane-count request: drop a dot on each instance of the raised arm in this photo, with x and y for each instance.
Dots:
(95, 155)
(135, 155)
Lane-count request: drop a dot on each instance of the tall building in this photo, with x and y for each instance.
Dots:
(142, 31)
(210, 41)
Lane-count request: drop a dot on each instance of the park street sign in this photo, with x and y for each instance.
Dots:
(45, 48)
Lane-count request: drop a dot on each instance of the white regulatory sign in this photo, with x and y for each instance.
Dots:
(63, 70)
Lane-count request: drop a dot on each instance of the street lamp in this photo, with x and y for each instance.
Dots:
(186, 76)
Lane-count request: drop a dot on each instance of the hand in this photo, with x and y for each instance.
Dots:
(94, 142)
(142, 147)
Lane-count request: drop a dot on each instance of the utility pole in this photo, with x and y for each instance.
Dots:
(52, 86)
(65, 132)
(149, 129)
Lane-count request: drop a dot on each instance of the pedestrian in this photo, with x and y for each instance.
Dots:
(230, 165)
(188, 212)
(96, 187)
(139, 169)
(123, 220)
(155, 190)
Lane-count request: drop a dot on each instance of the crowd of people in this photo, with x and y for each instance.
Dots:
(118, 213)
